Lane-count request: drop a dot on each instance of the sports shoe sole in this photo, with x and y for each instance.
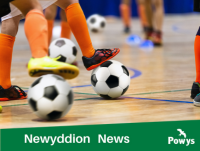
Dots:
(65, 72)
(9, 99)
(196, 103)
(96, 65)
(157, 44)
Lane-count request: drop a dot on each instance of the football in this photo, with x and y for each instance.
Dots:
(64, 48)
(111, 79)
(50, 97)
(96, 23)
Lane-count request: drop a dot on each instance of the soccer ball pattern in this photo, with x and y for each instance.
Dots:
(96, 23)
(64, 48)
(110, 80)
(50, 97)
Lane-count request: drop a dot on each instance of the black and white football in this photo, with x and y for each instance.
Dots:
(63, 48)
(111, 79)
(96, 23)
(50, 97)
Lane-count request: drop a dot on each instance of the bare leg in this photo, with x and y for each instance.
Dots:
(65, 28)
(10, 26)
(78, 25)
(25, 6)
(9, 30)
(127, 2)
(142, 14)
(35, 26)
(63, 15)
(65, 3)
(125, 11)
(149, 17)
(149, 13)
(158, 21)
(50, 12)
(158, 14)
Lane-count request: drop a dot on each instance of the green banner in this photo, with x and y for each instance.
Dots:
(156, 136)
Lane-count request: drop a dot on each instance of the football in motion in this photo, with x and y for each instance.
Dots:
(96, 23)
(50, 97)
(110, 80)
(64, 48)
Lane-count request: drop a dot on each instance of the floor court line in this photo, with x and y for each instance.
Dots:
(126, 96)
(175, 101)
(99, 98)
(27, 103)
(135, 93)
(136, 74)
(140, 93)
(160, 92)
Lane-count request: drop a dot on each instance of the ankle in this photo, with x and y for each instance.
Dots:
(5, 85)
(89, 55)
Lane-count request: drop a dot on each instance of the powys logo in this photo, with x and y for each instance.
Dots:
(181, 141)
(181, 132)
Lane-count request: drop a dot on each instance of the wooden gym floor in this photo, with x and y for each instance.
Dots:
(160, 85)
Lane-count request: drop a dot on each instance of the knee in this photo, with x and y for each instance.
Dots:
(50, 14)
(65, 3)
(140, 2)
(35, 7)
(158, 3)
(63, 15)
(10, 26)
(127, 2)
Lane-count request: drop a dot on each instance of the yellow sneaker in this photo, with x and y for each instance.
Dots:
(46, 65)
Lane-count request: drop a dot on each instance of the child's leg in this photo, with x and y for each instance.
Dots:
(78, 25)
(35, 26)
(125, 11)
(149, 13)
(37, 35)
(10, 26)
(158, 21)
(158, 14)
(65, 28)
(149, 16)
(9, 30)
(197, 55)
(195, 91)
(91, 58)
(142, 13)
(50, 15)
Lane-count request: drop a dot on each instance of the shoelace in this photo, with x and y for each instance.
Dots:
(21, 91)
(56, 58)
(198, 94)
(105, 51)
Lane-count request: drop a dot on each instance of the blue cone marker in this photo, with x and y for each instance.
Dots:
(147, 45)
(134, 40)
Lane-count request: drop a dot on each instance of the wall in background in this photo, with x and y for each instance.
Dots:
(111, 7)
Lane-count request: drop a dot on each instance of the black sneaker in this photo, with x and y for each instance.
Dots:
(195, 90)
(12, 93)
(100, 56)
(127, 30)
(197, 100)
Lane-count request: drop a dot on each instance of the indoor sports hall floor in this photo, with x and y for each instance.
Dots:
(160, 85)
